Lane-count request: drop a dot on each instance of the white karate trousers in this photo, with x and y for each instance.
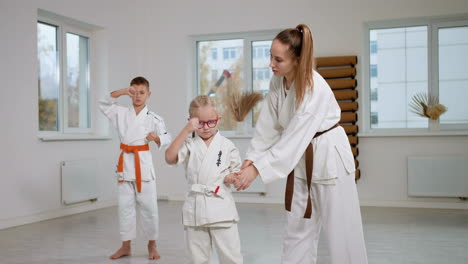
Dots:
(129, 199)
(225, 240)
(335, 208)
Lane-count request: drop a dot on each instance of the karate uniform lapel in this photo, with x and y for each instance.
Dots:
(287, 109)
(211, 161)
(134, 131)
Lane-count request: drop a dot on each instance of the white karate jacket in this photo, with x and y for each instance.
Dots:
(209, 201)
(132, 130)
(282, 134)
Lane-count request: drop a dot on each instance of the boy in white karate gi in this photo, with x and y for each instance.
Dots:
(137, 127)
(209, 212)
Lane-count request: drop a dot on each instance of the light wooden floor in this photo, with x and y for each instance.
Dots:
(393, 236)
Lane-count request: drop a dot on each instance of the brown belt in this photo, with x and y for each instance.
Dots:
(309, 167)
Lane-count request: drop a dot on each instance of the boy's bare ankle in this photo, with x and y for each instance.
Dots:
(124, 250)
(127, 244)
(152, 251)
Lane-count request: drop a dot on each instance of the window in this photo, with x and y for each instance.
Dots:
(374, 117)
(214, 75)
(421, 56)
(214, 54)
(453, 75)
(260, 74)
(373, 71)
(242, 67)
(230, 53)
(373, 46)
(63, 78)
(261, 51)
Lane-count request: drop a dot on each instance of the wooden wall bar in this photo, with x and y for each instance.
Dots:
(342, 83)
(340, 73)
(336, 61)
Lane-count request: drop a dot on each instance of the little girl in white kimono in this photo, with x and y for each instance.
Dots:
(209, 212)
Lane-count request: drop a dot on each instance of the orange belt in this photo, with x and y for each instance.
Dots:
(135, 150)
(288, 197)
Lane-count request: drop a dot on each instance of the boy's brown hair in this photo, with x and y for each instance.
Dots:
(140, 81)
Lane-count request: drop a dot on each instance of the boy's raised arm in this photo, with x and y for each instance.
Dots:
(130, 91)
(109, 106)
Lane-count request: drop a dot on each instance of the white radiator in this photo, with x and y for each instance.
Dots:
(78, 181)
(438, 176)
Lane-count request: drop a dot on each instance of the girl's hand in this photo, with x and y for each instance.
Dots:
(230, 179)
(192, 124)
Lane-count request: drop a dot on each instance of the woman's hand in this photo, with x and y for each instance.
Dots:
(246, 177)
(246, 164)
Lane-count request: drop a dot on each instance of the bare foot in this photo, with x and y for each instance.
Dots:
(152, 251)
(124, 250)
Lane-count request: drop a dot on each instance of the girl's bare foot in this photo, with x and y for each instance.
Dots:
(124, 250)
(152, 251)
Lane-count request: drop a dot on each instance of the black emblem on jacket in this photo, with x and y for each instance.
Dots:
(219, 158)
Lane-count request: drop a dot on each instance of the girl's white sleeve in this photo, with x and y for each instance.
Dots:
(183, 154)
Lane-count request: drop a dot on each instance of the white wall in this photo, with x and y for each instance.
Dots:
(30, 175)
(337, 26)
(151, 38)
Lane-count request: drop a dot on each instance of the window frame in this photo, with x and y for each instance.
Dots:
(433, 24)
(248, 38)
(62, 112)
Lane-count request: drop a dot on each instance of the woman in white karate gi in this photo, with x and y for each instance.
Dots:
(209, 213)
(297, 136)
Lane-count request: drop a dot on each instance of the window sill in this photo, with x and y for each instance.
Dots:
(413, 133)
(238, 136)
(73, 137)
(234, 135)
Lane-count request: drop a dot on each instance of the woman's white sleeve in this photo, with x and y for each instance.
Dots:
(279, 160)
(235, 160)
(267, 127)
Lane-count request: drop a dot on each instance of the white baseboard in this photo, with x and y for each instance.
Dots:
(60, 212)
(417, 204)
(257, 198)
(239, 198)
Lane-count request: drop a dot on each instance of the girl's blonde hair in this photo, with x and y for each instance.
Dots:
(201, 101)
(301, 47)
